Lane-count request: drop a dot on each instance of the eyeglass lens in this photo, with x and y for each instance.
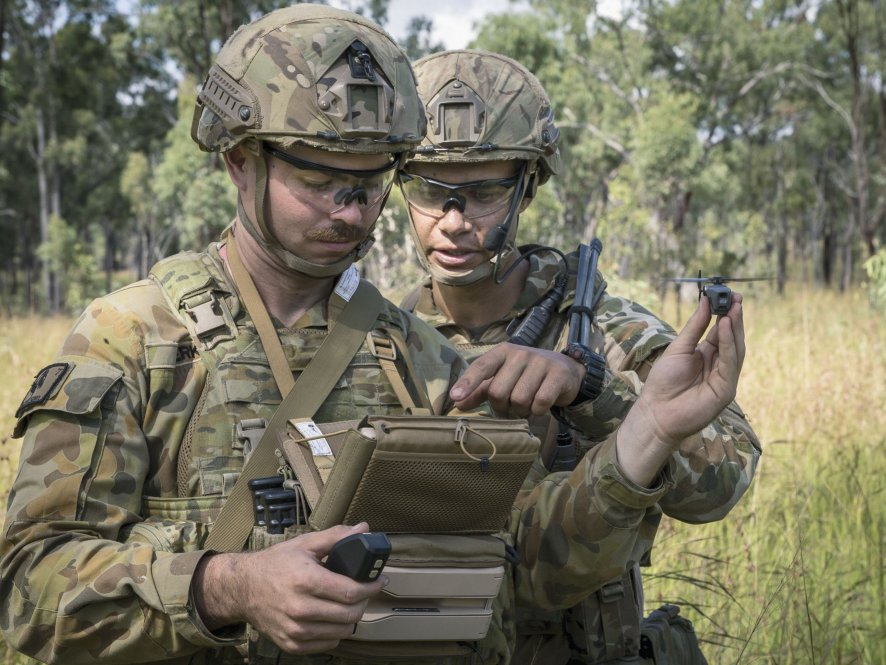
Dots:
(474, 199)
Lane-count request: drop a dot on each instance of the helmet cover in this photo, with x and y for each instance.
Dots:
(313, 75)
(484, 106)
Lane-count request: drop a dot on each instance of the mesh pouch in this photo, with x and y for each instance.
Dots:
(434, 474)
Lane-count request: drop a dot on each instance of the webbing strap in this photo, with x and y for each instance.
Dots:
(620, 617)
(260, 317)
(235, 520)
(397, 338)
(385, 352)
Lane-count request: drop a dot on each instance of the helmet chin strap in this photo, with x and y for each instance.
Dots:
(501, 240)
(269, 243)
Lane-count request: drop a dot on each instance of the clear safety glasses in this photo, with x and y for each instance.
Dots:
(332, 189)
(472, 199)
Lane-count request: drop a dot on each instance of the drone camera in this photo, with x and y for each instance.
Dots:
(720, 297)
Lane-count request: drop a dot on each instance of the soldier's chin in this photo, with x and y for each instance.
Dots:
(330, 251)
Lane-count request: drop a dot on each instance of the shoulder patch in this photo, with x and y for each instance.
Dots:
(46, 385)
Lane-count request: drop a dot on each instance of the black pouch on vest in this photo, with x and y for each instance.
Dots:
(666, 638)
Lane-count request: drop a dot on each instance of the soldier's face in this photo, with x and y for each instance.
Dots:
(452, 223)
(321, 215)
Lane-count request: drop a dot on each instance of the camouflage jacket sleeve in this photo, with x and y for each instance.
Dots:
(579, 529)
(72, 591)
(713, 468)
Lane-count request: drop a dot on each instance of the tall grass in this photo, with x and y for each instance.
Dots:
(26, 345)
(795, 574)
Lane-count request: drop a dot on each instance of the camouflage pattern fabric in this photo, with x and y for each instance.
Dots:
(704, 479)
(128, 459)
(484, 106)
(277, 79)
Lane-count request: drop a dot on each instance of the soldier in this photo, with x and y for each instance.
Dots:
(137, 434)
(118, 544)
(491, 143)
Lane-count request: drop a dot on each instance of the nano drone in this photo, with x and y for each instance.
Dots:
(714, 287)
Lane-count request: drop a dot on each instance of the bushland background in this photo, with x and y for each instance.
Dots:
(744, 138)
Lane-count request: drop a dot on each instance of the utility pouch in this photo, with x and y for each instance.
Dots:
(442, 489)
(605, 626)
(666, 638)
(427, 474)
(441, 588)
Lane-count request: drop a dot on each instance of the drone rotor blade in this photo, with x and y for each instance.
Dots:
(748, 279)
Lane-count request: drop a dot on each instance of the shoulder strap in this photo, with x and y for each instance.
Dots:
(235, 520)
(388, 346)
(411, 300)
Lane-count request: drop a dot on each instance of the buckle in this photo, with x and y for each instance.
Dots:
(612, 591)
(208, 315)
(380, 346)
(250, 432)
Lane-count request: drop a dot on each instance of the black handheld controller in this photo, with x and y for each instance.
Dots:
(360, 556)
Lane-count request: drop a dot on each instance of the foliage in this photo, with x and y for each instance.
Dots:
(418, 41)
(741, 136)
(196, 200)
(876, 271)
(66, 254)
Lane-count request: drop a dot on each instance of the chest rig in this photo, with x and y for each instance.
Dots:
(239, 395)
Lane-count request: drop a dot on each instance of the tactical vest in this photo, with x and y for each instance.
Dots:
(605, 627)
(238, 396)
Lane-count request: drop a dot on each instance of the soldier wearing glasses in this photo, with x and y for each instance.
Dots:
(136, 434)
(663, 412)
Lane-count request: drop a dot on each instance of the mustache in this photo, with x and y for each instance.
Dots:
(338, 232)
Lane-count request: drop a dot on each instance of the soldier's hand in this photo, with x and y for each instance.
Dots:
(285, 592)
(518, 381)
(687, 388)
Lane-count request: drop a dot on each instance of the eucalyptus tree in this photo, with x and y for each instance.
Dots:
(74, 96)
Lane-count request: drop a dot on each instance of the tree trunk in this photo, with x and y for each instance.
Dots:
(846, 252)
(43, 195)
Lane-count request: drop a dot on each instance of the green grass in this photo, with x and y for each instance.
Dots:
(795, 574)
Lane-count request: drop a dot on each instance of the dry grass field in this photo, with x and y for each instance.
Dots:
(795, 574)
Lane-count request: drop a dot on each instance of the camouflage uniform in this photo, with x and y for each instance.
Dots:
(128, 456)
(710, 472)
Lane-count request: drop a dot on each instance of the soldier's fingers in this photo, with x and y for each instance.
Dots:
(483, 368)
(474, 398)
(737, 316)
(343, 591)
(297, 647)
(320, 542)
(519, 391)
(729, 364)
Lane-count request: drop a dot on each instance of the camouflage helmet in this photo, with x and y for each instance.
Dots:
(484, 106)
(313, 75)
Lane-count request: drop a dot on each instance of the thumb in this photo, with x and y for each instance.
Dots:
(319, 543)
(692, 332)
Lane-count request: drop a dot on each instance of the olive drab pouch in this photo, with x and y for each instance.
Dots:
(428, 474)
(442, 489)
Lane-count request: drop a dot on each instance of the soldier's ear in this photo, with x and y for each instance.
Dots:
(238, 163)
